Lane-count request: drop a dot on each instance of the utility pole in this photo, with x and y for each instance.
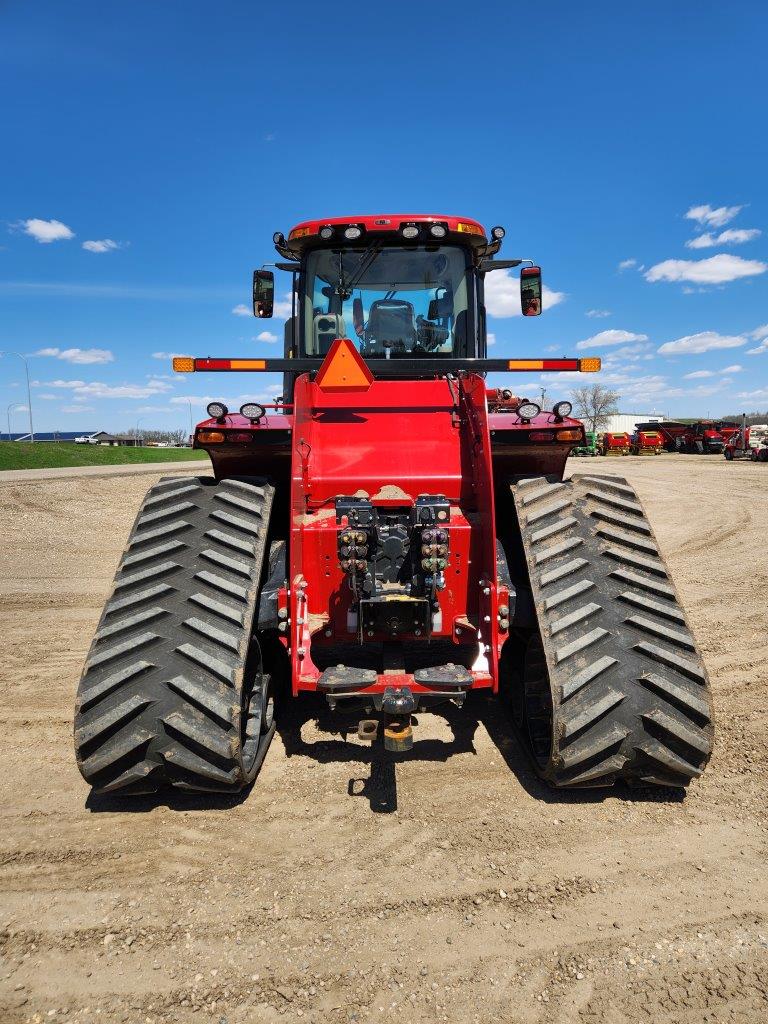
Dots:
(543, 392)
(29, 393)
(136, 435)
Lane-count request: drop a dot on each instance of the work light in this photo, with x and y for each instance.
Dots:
(498, 232)
(438, 230)
(252, 410)
(352, 232)
(326, 232)
(409, 231)
(278, 238)
(528, 410)
(562, 409)
(217, 410)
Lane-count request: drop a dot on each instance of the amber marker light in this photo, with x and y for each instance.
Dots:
(210, 436)
(591, 365)
(568, 435)
(183, 364)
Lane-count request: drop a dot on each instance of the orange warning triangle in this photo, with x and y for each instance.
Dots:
(344, 369)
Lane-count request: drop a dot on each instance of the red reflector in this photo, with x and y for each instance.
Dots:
(240, 437)
(560, 364)
(212, 364)
(541, 435)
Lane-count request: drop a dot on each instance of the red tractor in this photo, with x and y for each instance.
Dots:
(706, 437)
(391, 536)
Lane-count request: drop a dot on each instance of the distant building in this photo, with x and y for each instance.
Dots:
(624, 422)
(115, 440)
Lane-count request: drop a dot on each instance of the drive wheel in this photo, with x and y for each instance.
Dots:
(174, 691)
(612, 686)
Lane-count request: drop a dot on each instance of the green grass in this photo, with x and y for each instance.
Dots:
(53, 454)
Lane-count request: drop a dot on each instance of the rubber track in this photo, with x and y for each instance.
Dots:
(159, 701)
(630, 694)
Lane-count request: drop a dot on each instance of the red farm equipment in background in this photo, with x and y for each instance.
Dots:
(390, 535)
(647, 442)
(616, 444)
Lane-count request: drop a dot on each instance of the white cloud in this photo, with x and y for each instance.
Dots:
(715, 270)
(612, 337)
(762, 347)
(100, 245)
(705, 341)
(597, 314)
(699, 373)
(738, 236)
(733, 236)
(283, 307)
(491, 338)
(96, 389)
(732, 369)
(99, 390)
(82, 356)
(167, 355)
(756, 396)
(77, 408)
(627, 264)
(705, 241)
(48, 398)
(502, 295)
(46, 231)
(267, 336)
(242, 310)
(714, 218)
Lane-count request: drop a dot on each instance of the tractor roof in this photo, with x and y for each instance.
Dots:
(458, 230)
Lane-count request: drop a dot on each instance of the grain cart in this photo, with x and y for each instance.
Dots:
(616, 444)
(393, 534)
(647, 442)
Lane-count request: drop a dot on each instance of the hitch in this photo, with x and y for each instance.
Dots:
(398, 734)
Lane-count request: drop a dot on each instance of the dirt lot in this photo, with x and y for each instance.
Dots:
(448, 887)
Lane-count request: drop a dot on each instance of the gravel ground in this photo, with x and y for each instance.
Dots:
(450, 886)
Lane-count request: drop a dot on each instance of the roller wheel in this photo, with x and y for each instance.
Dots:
(611, 686)
(173, 691)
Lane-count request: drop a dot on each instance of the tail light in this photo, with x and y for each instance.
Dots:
(541, 435)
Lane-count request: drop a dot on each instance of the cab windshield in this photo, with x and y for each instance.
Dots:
(391, 302)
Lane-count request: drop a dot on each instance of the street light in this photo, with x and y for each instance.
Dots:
(9, 410)
(136, 435)
(29, 393)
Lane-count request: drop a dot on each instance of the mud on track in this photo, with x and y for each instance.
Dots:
(447, 887)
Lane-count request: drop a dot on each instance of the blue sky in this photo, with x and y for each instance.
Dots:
(150, 150)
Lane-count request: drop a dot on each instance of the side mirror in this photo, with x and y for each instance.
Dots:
(530, 291)
(263, 293)
(441, 306)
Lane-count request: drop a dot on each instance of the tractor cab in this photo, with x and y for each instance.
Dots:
(400, 288)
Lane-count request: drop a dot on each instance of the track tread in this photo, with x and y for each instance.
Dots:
(629, 694)
(160, 700)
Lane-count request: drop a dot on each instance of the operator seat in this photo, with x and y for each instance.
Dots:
(390, 320)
